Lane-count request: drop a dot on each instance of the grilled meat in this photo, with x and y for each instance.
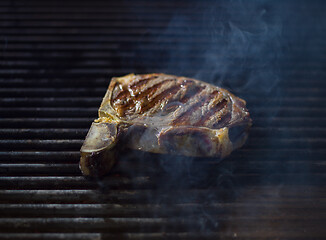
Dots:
(162, 113)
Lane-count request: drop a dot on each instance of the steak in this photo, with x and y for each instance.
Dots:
(162, 113)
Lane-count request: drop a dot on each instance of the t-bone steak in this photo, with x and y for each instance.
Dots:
(162, 113)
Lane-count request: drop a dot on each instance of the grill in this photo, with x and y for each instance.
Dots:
(56, 62)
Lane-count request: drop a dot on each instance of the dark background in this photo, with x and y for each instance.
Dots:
(57, 59)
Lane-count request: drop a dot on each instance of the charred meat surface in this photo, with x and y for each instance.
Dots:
(163, 113)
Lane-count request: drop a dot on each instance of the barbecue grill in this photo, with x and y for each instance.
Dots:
(57, 60)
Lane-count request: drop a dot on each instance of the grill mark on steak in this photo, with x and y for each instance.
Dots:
(165, 95)
(142, 82)
(183, 119)
(225, 119)
(125, 93)
(146, 93)
(191, 92)
(216, 108)
(131, 101)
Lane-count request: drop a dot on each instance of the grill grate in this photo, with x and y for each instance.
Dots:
(56, 62)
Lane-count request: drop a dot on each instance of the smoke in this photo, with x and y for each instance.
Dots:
(238, 45)
(233, 44)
